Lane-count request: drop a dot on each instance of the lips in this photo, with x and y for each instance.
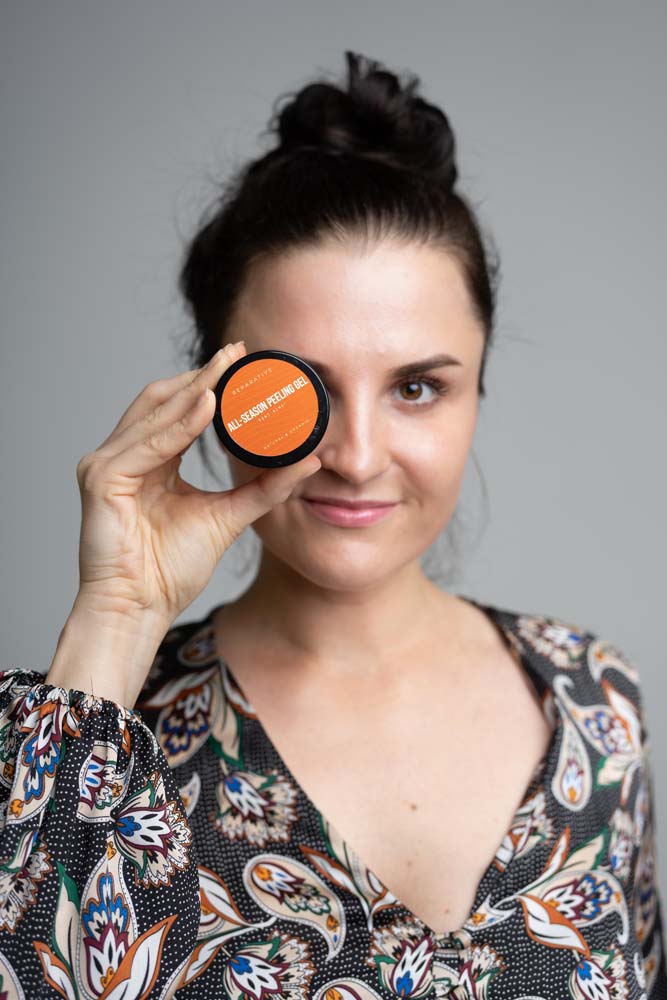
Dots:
(353, 504)
(348, 514)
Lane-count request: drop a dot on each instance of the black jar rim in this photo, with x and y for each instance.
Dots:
(289, 457)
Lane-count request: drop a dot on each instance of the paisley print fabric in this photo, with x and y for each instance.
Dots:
(167, 850)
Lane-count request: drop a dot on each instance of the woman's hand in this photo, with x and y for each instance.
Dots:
(150, 541)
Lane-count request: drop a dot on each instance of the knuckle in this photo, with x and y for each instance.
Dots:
(153, 390)
(184, 423)
(88, 475)
(261, 485)
(192, 390)
(159, 444)
(83, 467)
(153, 416)
(155, 393)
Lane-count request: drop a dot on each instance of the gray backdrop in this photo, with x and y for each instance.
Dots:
(118, 117)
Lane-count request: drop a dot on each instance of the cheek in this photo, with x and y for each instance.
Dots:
(435, 453)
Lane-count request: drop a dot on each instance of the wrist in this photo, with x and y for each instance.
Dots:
(106, 655)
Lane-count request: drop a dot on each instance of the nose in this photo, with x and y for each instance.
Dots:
(356, 443)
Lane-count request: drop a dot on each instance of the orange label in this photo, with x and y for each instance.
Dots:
(269, 407)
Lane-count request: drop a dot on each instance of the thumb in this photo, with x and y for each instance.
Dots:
(244, 504)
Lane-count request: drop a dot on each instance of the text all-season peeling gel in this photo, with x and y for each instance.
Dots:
(271, 408)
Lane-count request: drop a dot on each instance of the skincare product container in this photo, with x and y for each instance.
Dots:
(271, 408)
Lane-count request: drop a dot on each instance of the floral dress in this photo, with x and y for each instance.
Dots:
(167, 850)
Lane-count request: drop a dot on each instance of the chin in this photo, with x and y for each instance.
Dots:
(348, 559)
(341, 578)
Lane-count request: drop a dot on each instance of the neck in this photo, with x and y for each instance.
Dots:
(342, 628)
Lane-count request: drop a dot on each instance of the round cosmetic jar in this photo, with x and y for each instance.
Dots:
(271, 408)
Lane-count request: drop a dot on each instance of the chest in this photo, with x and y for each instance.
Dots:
(421, 778)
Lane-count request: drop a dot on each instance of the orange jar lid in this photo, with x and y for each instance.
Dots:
(271, 408)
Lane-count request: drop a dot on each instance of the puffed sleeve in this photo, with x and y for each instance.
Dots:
(647, 901)
(99, 891)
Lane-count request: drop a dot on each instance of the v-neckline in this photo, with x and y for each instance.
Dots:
(538, 775)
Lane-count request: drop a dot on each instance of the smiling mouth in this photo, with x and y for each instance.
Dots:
(348, 516)
(351, 504)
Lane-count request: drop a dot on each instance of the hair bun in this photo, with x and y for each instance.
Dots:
(376, 117)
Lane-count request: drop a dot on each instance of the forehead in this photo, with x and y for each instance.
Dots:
(344, 301)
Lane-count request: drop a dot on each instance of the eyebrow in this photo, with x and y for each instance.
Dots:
(403, 371)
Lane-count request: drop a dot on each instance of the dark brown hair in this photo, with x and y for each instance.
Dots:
(365, 160)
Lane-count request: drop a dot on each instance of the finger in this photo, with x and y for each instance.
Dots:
(161, 446)
(238, 508)
(151, 396)
(175, 404)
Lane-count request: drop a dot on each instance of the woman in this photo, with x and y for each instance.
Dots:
(171, 791)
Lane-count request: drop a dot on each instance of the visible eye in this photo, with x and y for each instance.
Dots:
(434, 384)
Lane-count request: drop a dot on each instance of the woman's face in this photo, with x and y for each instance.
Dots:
(358, 316)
